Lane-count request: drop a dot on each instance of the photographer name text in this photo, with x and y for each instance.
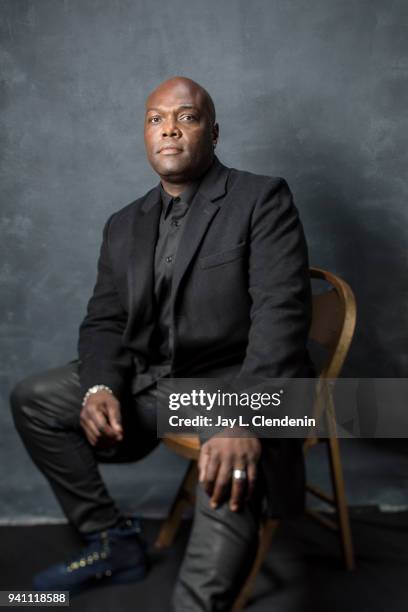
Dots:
(258, 420)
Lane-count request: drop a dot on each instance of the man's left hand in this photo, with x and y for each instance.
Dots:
(219, 457)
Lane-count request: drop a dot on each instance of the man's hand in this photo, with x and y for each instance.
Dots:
(219, 457)
(100, 418)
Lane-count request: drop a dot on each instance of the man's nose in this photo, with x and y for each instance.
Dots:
(170, 128)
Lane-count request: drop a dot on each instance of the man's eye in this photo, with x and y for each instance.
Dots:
(154, 119)
(187, 118)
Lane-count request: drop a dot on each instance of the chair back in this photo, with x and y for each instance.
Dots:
(333, 321)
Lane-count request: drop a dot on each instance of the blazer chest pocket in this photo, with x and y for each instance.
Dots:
(223, 257)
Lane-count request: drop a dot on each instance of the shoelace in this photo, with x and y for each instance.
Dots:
(88, 556)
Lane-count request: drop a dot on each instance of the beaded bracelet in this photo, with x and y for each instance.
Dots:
(95, 389)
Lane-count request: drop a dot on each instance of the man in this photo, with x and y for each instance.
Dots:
(205, 275)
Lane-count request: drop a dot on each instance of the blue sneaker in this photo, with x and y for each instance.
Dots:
(114, 556)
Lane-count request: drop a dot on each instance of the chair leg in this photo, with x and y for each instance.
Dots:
(337, 477)
(184, 497)
(266, 533)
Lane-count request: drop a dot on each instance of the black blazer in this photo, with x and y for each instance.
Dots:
(240, 295)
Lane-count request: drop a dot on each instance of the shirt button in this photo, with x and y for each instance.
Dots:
(169, 258)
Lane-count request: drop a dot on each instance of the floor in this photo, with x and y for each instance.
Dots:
(303, 572)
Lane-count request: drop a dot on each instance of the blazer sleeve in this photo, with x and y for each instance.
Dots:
(102, 357)
(279, 286)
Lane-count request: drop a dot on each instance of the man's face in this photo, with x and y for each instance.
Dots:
(179, 135)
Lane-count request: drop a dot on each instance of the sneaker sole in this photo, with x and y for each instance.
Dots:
(121, 577)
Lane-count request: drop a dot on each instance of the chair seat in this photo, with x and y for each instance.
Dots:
(186, 446)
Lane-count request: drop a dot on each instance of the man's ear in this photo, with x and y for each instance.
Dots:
(215, 133)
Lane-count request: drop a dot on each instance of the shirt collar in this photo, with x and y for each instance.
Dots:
(185, 196)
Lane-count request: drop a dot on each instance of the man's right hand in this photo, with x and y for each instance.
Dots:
(100, 418)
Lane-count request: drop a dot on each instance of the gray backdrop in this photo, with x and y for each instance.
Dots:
(313, 91)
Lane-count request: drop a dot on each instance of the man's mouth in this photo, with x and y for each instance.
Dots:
(169, 150)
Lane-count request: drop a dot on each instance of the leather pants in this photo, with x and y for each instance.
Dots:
(222, 544)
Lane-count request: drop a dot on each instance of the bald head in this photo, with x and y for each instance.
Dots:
(183, 84)
(180, 132)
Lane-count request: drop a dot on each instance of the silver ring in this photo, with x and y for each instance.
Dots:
(239, 474)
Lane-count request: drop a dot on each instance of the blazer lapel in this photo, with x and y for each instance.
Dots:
(203, 209)
(141, 260)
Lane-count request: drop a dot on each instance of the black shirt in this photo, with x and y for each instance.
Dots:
(172, 223)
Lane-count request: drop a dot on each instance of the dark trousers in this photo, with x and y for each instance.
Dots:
(222, 543)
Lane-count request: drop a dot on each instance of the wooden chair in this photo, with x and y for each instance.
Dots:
(333, 323)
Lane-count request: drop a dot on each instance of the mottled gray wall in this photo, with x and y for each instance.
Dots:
(314, 91)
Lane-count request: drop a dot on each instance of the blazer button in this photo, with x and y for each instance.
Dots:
(169, 258)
